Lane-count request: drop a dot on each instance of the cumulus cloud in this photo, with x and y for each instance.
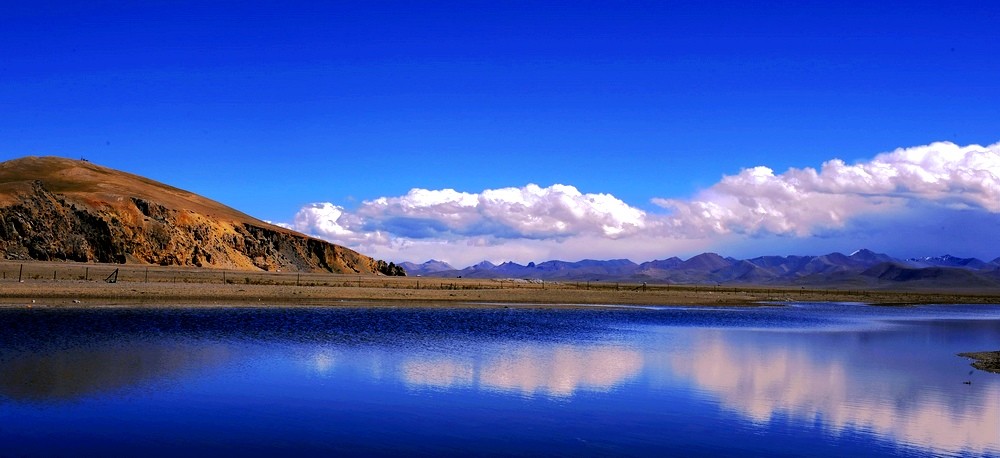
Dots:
(487, 218)
(332, 222)
(529, 212)
(560, 222)
(802, 202)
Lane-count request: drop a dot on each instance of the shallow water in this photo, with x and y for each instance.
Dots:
(805, 379)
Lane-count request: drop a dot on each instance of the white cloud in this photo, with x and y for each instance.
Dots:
(527, 212)
(332, 222)
(537, 220)
(560, 222)
(801, 202)
(324, 218)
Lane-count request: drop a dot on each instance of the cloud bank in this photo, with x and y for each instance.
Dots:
(559, 221)
(530, 212)
(804, 201)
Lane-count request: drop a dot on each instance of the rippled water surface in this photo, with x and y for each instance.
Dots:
(803, 379)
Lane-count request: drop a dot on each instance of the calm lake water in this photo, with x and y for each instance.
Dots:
(803, 379)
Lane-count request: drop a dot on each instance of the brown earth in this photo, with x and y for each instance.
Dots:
(61, 209)
(68, 284)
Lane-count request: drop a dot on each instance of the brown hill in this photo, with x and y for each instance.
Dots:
(62, 209)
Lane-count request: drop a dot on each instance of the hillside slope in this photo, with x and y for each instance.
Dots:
(62, 209)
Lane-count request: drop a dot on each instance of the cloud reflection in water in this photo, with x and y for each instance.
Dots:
(558, 370)
(762, 382)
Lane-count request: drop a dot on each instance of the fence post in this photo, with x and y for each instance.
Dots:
(19, 272)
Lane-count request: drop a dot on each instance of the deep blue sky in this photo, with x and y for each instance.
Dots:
(270, 106)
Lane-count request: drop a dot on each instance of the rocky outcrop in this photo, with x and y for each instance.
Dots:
(43, 227)
(54, 218)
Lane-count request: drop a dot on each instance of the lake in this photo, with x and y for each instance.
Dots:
(793, 380)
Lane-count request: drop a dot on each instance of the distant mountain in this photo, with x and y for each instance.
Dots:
(485, 265)
(549, 270)
(933, 276)
(668, 263)
(951, 261)
(656, 269)
(705, 262)
(744, 271)
(57, 209)
(866, 256)
(429, 267)
(861, 269)
(781, 265)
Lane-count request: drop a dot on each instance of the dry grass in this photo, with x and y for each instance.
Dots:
(53, 283)
(93, 186)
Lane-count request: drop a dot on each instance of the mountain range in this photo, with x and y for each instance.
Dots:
(57, 209)
(863, 268)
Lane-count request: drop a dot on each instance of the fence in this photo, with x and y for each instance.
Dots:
(56, 271)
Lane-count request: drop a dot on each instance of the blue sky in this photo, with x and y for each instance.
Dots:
(307, 114)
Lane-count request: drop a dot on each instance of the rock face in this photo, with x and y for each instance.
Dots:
(62, 209)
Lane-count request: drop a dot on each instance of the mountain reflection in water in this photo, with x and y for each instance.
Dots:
(98, 369)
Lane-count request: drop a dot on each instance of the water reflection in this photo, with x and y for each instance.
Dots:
(841, 384)
(323, 362)
(441, 372)
(100, 368)
(440, 381)
(557, 370)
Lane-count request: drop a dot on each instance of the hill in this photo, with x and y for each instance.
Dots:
(56, 209)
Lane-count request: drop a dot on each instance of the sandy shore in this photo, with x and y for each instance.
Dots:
(68, 293)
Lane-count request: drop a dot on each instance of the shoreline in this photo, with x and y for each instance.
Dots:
(87, 284)
(987, 361)
(431, 293)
